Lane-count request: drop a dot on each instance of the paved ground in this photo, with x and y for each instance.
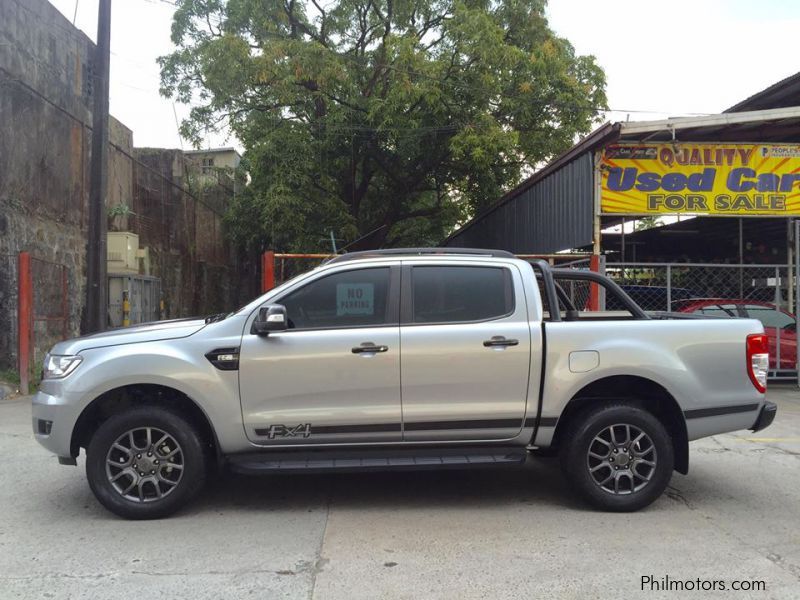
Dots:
(489, 534)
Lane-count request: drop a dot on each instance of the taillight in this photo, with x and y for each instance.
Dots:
(758, 360)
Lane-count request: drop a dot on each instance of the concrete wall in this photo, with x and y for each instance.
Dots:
(45, 138)
(44, 146)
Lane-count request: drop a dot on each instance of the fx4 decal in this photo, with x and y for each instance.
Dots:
(282, 431)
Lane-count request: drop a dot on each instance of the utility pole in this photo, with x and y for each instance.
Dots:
(96, 277)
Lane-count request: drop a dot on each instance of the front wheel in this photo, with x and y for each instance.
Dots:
(145, 463)
(617, 457)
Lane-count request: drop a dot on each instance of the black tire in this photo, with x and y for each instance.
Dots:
(175, 495)
(641, 484)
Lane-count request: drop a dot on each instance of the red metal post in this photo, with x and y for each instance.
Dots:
(594, 289)
(24, 321)
(267, 271)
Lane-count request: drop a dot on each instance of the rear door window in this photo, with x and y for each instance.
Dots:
(460, 294)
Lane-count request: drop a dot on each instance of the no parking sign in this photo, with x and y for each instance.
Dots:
(355, 299)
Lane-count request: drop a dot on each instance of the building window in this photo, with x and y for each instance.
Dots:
(207, 165)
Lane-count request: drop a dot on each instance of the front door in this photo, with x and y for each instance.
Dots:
(334, 375)
(466, 352)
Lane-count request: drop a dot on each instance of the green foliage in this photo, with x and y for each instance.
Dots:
(396, 117)
(116, 214)
(647, 223)
(9, 376)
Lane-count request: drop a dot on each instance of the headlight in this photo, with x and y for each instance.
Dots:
(58, 367)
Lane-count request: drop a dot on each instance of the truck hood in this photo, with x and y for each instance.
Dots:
(146, 332)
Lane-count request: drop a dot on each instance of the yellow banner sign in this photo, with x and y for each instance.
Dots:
(710, 179)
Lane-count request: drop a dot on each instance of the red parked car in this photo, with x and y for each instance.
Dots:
(773, 318)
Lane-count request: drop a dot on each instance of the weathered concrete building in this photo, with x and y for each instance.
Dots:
(45, 104)
(212, 163)
(45, 138)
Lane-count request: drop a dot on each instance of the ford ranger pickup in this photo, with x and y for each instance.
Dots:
(403, 359)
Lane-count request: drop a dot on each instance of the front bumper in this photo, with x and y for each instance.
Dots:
(54, 417)
(765, 416)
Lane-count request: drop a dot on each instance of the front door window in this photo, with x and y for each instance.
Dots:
(347, 299)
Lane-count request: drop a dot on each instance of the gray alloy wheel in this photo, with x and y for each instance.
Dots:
(617, 455)
(621, 459)
(144, 464)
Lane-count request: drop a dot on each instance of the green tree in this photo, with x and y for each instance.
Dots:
(390, 120)
(647, 223)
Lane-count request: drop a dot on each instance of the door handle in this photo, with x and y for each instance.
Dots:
(499, 341)
(369, 348)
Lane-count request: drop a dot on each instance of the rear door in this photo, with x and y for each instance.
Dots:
(465, 351)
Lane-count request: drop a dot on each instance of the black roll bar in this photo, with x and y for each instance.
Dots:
(549, 275)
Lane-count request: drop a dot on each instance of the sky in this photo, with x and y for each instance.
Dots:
(661, 58)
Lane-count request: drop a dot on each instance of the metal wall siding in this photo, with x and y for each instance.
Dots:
(554, 214)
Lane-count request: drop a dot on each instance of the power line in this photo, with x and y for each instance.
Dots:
(347, 129)
(9, 78)
(467, 86)
(177, 125)
(74, 30)
(451, 83)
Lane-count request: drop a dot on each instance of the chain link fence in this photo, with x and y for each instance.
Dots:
(39, 292)
(8, 316)
(579, 293)
(50, 307)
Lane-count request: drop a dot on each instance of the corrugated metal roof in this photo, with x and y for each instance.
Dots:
(772, 125)
(601, 136)
(551, 214)
(786, 92)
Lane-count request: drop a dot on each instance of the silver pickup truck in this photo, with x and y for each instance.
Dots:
(403, 359)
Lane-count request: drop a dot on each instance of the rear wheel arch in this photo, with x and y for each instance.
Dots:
(636, 391)
(118, 400)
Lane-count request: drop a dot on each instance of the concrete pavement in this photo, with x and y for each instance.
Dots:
(460, 534)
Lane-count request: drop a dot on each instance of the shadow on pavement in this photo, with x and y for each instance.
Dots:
(538, 483)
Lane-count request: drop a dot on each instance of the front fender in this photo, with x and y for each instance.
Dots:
(182, 367)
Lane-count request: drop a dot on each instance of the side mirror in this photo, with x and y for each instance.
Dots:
(270, 318)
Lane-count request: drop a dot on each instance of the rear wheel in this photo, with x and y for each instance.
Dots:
(145, 463)
(617, 457)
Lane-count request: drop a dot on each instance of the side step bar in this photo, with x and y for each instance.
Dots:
(320, 461)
